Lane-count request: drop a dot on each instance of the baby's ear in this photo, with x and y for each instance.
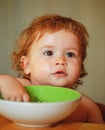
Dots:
(25, 64)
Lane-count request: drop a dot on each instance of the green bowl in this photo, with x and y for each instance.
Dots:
(51, 94)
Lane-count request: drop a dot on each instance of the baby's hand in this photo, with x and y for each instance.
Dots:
(12, 89)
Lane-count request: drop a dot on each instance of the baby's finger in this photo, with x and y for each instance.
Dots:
(26, 97)
(18, 99)
(11, 98)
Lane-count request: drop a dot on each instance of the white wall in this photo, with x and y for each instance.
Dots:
(16, 14)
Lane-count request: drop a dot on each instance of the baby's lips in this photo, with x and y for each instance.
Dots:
(60, 72)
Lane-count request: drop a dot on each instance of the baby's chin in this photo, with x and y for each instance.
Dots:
(61, 85)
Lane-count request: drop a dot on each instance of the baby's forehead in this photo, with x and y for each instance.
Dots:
(55, 35)
(49, 33)
(58, 39)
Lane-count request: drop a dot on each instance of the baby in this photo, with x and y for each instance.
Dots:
(51, 51)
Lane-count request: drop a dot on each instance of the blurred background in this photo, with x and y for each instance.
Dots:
(15, 15)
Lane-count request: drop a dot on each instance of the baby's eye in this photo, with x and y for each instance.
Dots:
(70, 54)
(48, 53)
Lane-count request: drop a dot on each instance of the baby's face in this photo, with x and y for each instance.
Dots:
(55, 59)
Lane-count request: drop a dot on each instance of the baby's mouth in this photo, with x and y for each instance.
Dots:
(60, 73)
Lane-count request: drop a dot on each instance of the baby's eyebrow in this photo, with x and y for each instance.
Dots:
(47, 46)
(74, 49)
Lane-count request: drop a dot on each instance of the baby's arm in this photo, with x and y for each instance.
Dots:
(12, 89)
(94, 113)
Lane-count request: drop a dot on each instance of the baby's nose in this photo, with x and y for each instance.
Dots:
(61, 62)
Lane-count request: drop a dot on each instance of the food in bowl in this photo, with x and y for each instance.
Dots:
(48, 105)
